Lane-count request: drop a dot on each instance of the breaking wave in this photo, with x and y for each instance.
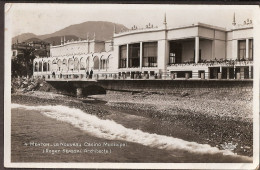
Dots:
(108, 129)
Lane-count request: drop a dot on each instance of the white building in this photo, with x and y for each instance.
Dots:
(197, 51)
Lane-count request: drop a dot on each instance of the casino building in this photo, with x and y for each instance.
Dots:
(196, 51)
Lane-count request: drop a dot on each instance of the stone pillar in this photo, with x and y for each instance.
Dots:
(207, 74)
(141, 56)
(163, 54)
(99, 63)
(250, 72)
(202, 76)
(127, 48)
(195, 74)
(42, 65)
(213, 46)
(242, 72)
(234, 49)
(220, 73)
(247, 48)
(220, 76)
(79, 92)
(197, 49)
(187, 76)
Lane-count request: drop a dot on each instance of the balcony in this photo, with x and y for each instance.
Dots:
(216, 62)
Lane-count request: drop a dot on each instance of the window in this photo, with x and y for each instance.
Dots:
(251, 48)
(134, 55)
(150, 54)
(122, 56)
(241, 49)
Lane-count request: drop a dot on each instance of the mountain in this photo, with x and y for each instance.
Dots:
(32, 39)
(103, 30)
(23, 37)
(57, 39)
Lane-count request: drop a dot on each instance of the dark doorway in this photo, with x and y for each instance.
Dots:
(231, 73)
(200, 73)
(175, 53)
(181, 74)
(224, 73)
(237, 70)
(246, 73)
(214, 72)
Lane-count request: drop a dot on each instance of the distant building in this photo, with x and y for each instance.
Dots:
(40, 49)
(196, 51)
(39, 45)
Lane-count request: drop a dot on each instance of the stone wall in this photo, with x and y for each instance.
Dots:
(172, 86)
(159, 86)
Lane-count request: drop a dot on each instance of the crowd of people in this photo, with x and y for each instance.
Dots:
(88, 74)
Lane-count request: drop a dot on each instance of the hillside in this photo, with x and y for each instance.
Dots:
(23, 37)
(102, 29)
(32, 39)
(56, 40)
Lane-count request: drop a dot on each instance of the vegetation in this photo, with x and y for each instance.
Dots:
(22, 64)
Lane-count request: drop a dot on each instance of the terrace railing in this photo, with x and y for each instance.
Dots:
(220, 62)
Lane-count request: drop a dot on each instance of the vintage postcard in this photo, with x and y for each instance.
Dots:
(131, 86)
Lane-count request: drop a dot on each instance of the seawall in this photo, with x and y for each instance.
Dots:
(158, 86)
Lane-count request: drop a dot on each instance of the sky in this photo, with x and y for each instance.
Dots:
(47, 18)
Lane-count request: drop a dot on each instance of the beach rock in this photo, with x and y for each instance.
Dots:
(184, 94)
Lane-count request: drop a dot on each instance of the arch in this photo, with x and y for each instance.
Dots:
(82, 64)
(49, 65)
(102, 63)
(54, 65)
(71, 64)
(96, 63)
(64, 66)
(44, 66)
(93, 89)
(87, 63)
(76, 64)
(59, 63)
(36, 67)
(107, 62)
(40, 66)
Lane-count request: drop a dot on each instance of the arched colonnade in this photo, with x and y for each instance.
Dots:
(76, 63)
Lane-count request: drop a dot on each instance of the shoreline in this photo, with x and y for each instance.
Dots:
(213, 130)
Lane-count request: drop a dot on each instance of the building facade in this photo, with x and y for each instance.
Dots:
(197, 51)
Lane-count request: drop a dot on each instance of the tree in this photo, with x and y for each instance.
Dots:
(22, 65)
